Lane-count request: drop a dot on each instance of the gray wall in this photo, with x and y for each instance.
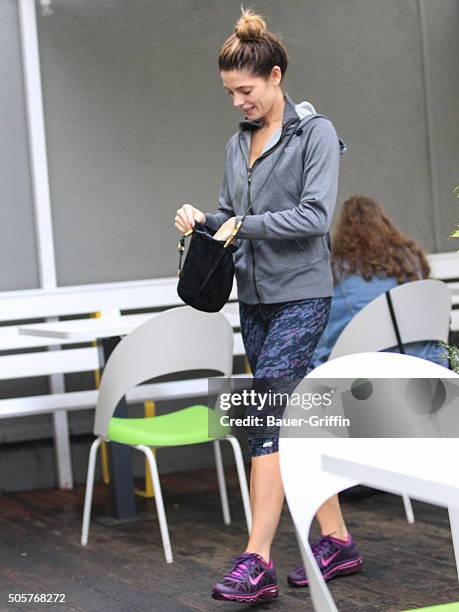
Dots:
(441, 42)
(18, 265)
(136, 122)
(137, 118)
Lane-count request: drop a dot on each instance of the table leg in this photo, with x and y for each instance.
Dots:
(121, 474)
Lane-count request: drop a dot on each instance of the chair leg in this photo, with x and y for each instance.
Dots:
(322, 599)
(242, 479)
(222, 482)
(408, 509)
(159, 502)
(89, 490)
(454, 523)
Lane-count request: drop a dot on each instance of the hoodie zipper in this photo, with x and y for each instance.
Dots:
(249, 193)
(249, 200)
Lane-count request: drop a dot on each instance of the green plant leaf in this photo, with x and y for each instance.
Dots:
(452, 352)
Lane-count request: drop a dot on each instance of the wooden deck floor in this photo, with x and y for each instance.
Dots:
(123, 569)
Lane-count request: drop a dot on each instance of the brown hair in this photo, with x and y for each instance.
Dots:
(253, 48)
(366, 242)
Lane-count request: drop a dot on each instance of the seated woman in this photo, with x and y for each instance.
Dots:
(369, 256)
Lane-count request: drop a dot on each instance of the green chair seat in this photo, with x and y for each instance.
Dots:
(193, 425)
(450, 607)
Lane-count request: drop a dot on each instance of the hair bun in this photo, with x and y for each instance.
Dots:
(250, 26)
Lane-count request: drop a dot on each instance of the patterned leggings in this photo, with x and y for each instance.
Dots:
(279, 340)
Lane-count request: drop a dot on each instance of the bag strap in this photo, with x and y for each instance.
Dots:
(394, 322)
(181, 249)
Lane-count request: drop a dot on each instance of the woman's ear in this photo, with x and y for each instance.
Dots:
(276, 75)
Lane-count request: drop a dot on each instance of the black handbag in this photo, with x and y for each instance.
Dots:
(206, 280)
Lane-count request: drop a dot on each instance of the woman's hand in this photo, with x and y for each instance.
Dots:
(186, 216)
(224, 232)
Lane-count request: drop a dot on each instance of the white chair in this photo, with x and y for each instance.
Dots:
(178, 340)
(422, 312)
(306, 490)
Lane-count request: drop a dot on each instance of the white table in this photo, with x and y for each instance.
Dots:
(425, 469)
(89, 330)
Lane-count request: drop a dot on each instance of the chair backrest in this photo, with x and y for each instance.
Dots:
(176, 340)
(407, 407)
(380, 365)
(422, 310)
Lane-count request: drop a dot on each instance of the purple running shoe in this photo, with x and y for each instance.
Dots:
(250, 580)
(334, 558)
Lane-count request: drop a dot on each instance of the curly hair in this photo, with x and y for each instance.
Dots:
(366, 242)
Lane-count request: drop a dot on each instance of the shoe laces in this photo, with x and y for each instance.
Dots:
(323, 545)
(240, 565)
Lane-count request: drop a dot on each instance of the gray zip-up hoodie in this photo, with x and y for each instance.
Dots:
(283, 244)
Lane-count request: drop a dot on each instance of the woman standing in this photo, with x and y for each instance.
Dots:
(283, 162)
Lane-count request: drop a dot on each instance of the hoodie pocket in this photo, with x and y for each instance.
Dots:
(313, 249)
(242, 259)
(279, 256)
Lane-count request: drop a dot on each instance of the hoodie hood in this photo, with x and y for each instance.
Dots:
(305, 108)
(302, 110)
